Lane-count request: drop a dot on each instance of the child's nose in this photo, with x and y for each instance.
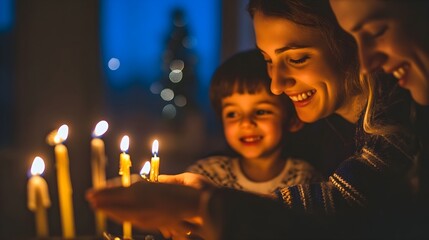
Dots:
(248, 121)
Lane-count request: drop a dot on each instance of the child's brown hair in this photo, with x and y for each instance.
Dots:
(245, 72)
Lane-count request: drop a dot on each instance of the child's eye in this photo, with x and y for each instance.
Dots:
(262, 112)
(299, 61)
(230, 115)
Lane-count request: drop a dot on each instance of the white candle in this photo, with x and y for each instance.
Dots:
(154, 162)
(38, 197)
(98, 165)
(124, 170)
(65, 190)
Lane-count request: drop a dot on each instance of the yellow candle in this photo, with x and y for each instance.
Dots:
(154, 162)
(65, 190)
(124, 170)
(38, 197)
(98, 165)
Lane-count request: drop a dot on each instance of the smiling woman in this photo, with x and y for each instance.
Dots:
(369, 195)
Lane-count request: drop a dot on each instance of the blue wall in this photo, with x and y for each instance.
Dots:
(6, 14)
(135, 32)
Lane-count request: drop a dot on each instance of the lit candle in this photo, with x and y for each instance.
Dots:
(124, 170)
(98, 165)
(154, 162)
(145, 171)
(65, 190)
(38, 197)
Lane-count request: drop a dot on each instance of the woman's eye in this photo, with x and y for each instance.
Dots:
(379, 32)
(268, 61)
(299, 61)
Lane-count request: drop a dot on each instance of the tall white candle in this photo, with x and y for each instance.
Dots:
(65, 190)
(38, 197)
(124, 171)
(98, 165)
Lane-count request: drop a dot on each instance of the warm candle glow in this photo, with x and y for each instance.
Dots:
(98, 165)
(155, 146)
(154, 162)
(38, 197)
(62, 134)
(125, 143)
(145, 169)
(124, 170)
(100, 128)
(38, 166)
(65, 190)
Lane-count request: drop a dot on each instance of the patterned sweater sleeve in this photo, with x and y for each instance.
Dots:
(377, 171)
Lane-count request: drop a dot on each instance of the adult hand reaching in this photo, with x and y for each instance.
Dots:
(147, 205)
(188, 179)
(192, 225)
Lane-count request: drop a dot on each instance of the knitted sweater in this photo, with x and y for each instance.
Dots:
(225, 171)
(374, 181)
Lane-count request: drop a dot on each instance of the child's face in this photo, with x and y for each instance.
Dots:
(300, 65)
(253, 123)
(390, 39)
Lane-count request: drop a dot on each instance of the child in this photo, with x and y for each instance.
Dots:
(255, 123)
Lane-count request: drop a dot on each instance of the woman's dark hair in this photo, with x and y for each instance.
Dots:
(245, 72)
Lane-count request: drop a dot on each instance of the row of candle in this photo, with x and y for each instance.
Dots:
(38, 195)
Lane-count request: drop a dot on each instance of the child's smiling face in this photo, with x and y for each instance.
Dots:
(254, 123)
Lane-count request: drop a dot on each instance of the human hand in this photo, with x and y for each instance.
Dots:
(185, 230)
(191, 226)
(146, 205)
(117, 181)
(188, 179)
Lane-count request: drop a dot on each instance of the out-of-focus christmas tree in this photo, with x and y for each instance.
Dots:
(178, 84)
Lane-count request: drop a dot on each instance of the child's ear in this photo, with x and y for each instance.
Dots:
(295, 124)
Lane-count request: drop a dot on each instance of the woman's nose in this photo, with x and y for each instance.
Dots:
(280, 79)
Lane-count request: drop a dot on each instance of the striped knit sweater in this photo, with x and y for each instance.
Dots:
(380, 166)
(375, 179)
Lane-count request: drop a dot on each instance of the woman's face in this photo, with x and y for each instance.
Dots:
(390, 37)
(300, 65)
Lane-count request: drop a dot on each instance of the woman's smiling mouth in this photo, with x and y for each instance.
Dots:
(301, 97)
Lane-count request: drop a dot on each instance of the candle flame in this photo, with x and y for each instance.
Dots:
(101, 128)
(125, 143)
(38, 166)
(155, 146)
(145, 169)
(62, 134)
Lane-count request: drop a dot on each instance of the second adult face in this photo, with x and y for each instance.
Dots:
(391, 35)
(300, 65)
